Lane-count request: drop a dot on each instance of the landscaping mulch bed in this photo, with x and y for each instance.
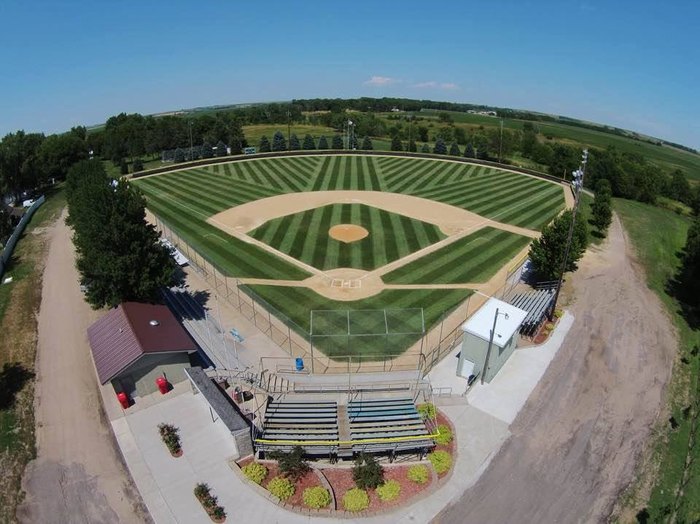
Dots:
(341, 481)
(310, 480)
(449, 447)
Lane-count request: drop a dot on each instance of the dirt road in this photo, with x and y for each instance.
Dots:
(575, 444)
(77, 475)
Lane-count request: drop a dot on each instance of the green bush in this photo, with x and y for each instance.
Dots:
(389, 490)
(441, 461)
(316, 497)
(445, 434)
(281, 488)
(292, 464)
(418, 474)
(356, 499)
(427, 411)
(367, 473)
(255, 472)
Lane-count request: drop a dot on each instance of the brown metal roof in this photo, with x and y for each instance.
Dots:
(131, 330)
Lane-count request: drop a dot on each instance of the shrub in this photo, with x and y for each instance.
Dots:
(218, 513)
(170, 436)
(316, 497)
(389, 490)
(281, 488)
(441, 461)
(427, 411)
(292, 464)
(367, 473)
(255, 472)
(418, 474)
(445, 434)
(201, 490)
(356, 499)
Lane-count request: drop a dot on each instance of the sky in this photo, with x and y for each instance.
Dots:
(629, 63)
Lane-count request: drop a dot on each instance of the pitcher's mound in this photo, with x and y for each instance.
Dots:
(348, 233)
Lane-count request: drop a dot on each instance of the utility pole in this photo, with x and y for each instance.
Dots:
(488, 351)
(577, 184)
(500, 145)
(191, 148)
(289, 130)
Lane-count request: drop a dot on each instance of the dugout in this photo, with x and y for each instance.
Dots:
(135, 343)
(491, 333)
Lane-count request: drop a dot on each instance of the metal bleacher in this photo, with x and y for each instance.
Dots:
(536, 303)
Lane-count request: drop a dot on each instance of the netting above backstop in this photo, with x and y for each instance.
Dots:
(368, 333)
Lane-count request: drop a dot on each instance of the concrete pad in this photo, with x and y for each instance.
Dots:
(507, 393)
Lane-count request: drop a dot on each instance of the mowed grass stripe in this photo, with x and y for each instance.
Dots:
(469, 185)
(286, 179)
(536, 213)
(500, 204)
(422, 177)
(258, 167)
(474, 258)
(215, 182)
(317, 182)
(301, 171)
(336, 254)
(232, 256)
(200, 201)
(373, 177)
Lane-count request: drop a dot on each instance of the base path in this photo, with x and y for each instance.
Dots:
(575, 445)
(78, 476)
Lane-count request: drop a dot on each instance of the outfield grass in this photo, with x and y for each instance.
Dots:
(296, 303)
(305, 237)
(474, 258)
(658, 235)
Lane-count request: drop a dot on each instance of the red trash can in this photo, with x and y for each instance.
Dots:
(162, 385)
(123, 400)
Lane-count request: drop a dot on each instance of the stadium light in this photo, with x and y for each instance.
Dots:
(488, 350)
(577, 186)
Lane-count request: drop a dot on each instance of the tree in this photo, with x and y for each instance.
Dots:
(221, 148)
(396, 144)
(337, 142)
(309, 143)
(366, 472)
(601, 208)
(323, 142)
(123, 167)
(425, 148)
(294, 144)
(367, 144)
(278, 142)
(440, 147)
(469, 151)
(58, 152)
(454, 149)
(264, 145)
(119, 255)
(292, 465)
(547, 252)
(137, 166)
(679, 187)
(688, 277)
(423, 133)
(207, 151)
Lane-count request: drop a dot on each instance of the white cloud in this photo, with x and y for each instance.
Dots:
(379, 81)
(432, 84)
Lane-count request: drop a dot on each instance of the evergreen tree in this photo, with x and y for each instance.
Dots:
(221, 148)
(137, 166)
(206, 150)
(278, 142)
(264, 145)
(309, 143)
(396, 144)
(547, 252)
(123, 167)
(294, 144)
(440, 147)
(367, 144)
(688, 278)
(412, 146)
(323, 142)
(337, 142)
(482, 152)
(425, 148)
(179, 155)
(454, 149)
(469, 151)
(601, 208)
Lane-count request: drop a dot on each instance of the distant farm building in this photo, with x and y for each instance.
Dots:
(134, 344)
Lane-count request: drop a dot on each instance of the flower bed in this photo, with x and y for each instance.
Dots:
(309, 480)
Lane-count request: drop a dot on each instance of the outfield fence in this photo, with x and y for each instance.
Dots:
(17, 233)
(429, 347)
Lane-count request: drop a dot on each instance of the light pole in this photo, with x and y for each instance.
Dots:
(191, 141)
(488, 351)
(577, 184)
(289, 130)
(500, 144)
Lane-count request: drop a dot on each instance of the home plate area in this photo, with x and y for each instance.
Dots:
(352, 284)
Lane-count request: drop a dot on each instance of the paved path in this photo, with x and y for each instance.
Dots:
(78, 475)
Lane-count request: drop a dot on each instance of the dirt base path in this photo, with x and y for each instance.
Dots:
(575, 444)
(78, 475)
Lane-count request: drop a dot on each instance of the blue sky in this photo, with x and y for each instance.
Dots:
(634, 64)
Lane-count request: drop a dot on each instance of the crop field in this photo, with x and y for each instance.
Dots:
(474, 258)
(304, 236)
(185, 200)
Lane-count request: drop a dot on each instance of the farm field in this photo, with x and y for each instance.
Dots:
(305, 237)
(298, 302)
(474, 258)
(254, 133)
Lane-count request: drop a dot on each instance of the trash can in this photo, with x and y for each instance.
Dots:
(123, 400)
(162, 385)
(238, 395)
(299, 363)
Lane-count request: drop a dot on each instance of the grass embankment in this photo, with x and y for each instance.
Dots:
(658, 236)
(19, 305)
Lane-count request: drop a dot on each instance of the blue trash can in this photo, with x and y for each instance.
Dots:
(299, 363)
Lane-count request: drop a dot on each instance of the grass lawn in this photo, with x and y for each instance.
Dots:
(474, 258)
(305, 237)
(297, 304)
(254, 133)
(658, 235)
